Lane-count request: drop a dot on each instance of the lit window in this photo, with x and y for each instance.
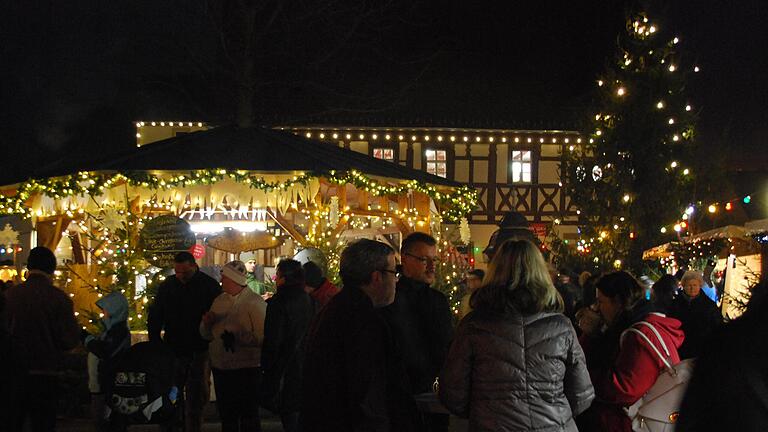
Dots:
(521, 166)
(387, 154)
(437, 162)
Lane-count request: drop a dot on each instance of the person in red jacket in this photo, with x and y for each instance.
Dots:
(318, 286)
(623, 368)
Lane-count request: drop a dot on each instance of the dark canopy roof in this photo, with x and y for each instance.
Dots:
(230, 147)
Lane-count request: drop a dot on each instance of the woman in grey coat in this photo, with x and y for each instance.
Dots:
(515, 363)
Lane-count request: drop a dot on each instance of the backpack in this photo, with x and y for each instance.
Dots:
(141, 387)
(659, 408)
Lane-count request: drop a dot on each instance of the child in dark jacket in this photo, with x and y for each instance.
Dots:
(103, 349)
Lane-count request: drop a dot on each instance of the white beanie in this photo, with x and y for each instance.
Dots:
(235, 270)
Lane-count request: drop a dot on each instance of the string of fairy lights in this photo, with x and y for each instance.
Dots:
(454, 204)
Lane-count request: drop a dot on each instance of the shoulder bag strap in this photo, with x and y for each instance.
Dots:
(648, 341)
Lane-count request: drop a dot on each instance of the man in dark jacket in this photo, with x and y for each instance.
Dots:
(178, 308)
(698, 314)
(729, 388)
(351, 359)
(289, 313)
(421, 321)
(41, 322)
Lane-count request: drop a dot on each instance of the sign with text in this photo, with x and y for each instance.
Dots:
(540, 229)
(163, 237)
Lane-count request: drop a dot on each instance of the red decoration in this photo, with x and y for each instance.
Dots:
(197, 251)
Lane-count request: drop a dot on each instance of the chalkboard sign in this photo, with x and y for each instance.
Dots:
(163, 237)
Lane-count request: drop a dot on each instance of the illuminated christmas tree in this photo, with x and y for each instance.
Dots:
(630, 175)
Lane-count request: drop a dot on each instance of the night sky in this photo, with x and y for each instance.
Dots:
(75, 75)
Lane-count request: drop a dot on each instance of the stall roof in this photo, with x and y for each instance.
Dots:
(230, 147)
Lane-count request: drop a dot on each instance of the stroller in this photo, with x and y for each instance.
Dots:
(141, 386)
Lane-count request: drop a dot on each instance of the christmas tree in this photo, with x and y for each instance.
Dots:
(631, 173)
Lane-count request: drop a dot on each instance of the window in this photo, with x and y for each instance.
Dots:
(385, 153)
(437, 162)
(521, 166)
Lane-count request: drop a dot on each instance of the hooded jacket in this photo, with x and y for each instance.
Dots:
(116, 337)
(515, 372)
(631, 370)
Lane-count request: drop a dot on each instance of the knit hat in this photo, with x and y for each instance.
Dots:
(235, 270)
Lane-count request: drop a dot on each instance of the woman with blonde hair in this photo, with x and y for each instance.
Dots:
(515, 362)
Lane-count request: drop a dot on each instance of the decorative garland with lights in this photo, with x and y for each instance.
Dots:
(455, 205)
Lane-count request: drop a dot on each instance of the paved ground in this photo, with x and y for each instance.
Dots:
(269, 423)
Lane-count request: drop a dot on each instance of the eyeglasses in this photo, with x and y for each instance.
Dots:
(424, 260)
(395, 273)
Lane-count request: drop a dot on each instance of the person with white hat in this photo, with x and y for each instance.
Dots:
(235, 327)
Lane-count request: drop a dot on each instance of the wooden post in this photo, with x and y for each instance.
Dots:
(287, 226)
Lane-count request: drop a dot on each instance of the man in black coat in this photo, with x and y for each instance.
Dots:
(421, 320)
(698, 314)
(289, 313)
(353, 377)
(729, 387)
(178, 308)
(41, 326)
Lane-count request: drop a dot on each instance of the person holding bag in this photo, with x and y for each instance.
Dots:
(622, 364)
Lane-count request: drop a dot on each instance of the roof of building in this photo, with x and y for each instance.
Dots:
(230, 147)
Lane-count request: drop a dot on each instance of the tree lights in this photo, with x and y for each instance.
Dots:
(639, 149)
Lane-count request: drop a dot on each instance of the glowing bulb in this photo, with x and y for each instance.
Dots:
(626, 198)
(660, 105)
(689, 211)
(696, 69)
(663, 230)
(686, 171)
(677, 228)
(673, 164)
(600, 83)
(675, 40)
(687, 107)
(672, 68)
(621, 91)
(671, 121)
(712, 208)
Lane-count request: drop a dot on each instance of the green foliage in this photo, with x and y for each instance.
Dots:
(631, 174)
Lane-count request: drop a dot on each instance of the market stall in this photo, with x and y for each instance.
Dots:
(255, 190)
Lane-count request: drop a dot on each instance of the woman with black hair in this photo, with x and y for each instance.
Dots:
(663, 292)
(621, 364)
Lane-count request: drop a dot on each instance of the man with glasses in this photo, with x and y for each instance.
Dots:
(353, 379)
(420, 319)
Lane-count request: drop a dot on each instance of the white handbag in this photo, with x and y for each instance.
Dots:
(659, 408)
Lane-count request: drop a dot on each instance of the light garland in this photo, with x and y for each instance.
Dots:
(456, 204)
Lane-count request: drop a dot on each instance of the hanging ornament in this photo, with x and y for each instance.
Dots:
(8, 236)
(464, 232)
(333, 211)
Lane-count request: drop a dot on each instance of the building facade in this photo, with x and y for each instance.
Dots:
(512, 170)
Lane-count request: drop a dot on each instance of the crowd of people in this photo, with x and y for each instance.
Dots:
(534, 349)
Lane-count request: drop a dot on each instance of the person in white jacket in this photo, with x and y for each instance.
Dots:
(235, 327)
